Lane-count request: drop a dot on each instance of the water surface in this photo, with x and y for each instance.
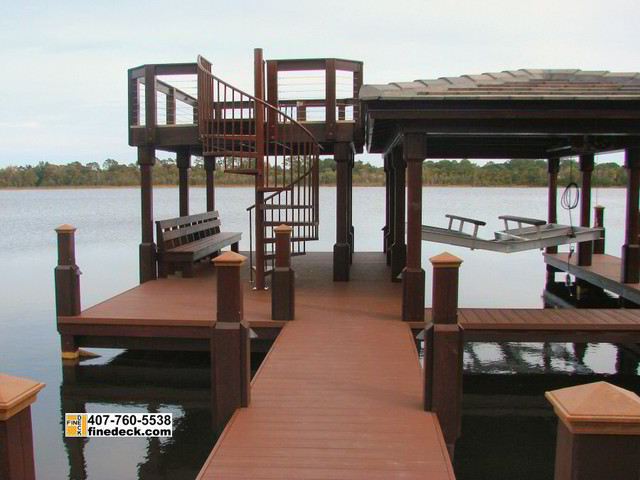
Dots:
(504, 407)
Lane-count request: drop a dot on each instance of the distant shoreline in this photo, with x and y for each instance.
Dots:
(101, 187)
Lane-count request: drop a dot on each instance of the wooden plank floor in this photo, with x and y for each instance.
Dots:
(551, 324)
(339, 396)
(604, 272)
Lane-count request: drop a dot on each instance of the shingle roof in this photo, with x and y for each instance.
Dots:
(524, 84)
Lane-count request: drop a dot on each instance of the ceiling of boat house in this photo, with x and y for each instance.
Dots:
(511, 114)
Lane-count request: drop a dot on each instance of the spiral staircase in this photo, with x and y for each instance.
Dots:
(247, 136)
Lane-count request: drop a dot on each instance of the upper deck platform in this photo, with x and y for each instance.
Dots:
(321, 94)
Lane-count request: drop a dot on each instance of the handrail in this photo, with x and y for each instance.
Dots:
(275, 194)
(255, 137)
(265, 104)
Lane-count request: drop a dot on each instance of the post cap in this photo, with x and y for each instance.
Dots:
(16, 394)
(66, 228)
(229, 259)
(283, 229)
(445, 259)
(597, 408)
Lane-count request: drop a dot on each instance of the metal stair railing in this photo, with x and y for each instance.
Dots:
(254, 137)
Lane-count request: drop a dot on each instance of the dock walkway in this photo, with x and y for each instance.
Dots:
(339, 395)
(603, 272)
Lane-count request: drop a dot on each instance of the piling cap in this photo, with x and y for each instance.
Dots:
(283, 229)
(597, 408)
(16, 394)
(229, 259)
(66, 228)
(445, 259)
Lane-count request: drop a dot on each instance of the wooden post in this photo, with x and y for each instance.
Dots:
(385, 229)
(391, 195)
(230, 354)
(67, 273)
(553, 167)
(67, 285)
(342, 249)
(586, 167)
(399, 248)
(598, 245)
(16, 437)
(415, 151)
(183, 162)
(146, 160)
(330, 91)
(443, 350)
(283, 284)
(350, 229)
(210, 167)
(598, 432)
(631, 250)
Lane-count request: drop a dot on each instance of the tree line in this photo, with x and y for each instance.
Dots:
(515, 172)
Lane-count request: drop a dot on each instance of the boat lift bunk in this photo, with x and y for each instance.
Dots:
(537, 234)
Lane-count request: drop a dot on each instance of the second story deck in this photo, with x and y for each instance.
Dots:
(321, 94)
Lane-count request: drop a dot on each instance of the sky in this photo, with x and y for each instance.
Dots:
(64, 90)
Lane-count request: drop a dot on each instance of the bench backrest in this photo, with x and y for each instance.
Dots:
(179, 231)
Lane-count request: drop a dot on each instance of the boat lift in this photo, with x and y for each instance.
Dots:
(537, 234)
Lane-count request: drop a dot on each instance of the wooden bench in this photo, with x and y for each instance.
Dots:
(183, 241)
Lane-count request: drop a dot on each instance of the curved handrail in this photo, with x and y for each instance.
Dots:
(268, 105)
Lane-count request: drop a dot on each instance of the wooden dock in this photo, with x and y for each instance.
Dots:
(340, 393)
(549, 325)
(603, 272)
(338, 396)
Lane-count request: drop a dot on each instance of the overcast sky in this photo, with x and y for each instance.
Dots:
(65, 63)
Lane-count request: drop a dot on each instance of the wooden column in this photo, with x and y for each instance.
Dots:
(183, 162)
(210, 167)
(585, 249)
(342, 249)
(631, 250)
(67, 286)
(146, 161)
(385, 229)
(443, 350)
(598, 245)
(67, 273)
(598, 432)
(399, 248)
(415, 152)
(391, 196)
(16, 437)
(230, 349)
(350, 229)
(283, 284)
(553, 166)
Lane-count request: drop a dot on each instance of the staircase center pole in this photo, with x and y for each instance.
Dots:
(258, 69)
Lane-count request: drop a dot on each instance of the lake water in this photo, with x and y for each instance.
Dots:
(504, 384)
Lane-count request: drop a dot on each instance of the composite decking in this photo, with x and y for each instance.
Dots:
(548, 325)
(603, 272)
(340, 393)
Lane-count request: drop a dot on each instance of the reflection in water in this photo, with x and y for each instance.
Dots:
(133, 381)
(508, 427)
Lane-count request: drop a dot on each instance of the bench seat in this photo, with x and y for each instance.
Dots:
(183, 241)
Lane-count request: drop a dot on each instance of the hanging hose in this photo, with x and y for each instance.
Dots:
(569, 200)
